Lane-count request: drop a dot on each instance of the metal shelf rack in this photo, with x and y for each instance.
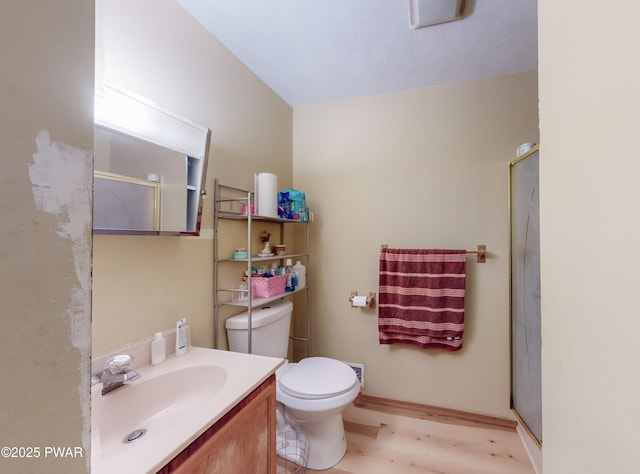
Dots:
(234, 204)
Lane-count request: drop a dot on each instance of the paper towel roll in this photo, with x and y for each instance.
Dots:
(267, 194)
(360, 301)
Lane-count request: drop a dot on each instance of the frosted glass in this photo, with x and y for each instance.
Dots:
(525, 293)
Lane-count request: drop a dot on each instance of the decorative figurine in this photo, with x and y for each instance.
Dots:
(266, 251)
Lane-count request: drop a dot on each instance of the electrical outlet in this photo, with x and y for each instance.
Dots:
(359, 370)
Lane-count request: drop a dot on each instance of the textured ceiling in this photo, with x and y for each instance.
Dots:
(315, 51)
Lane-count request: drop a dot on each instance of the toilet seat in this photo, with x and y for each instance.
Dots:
(316, 378)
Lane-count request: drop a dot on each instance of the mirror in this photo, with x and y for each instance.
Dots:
(150, 168)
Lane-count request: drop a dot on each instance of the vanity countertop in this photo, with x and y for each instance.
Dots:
(172, 429)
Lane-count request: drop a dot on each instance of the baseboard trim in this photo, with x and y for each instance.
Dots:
(429, 412)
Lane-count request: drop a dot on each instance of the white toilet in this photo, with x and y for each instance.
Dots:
(313, 391)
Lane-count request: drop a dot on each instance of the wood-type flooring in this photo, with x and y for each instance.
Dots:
(387, 440)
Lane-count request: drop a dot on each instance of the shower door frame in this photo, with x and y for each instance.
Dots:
(525, 313)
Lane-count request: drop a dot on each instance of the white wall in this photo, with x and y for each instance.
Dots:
(428, 169)
(589, 169)
(143, 284)
(46, 133)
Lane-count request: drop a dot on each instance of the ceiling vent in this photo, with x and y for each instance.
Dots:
(433, 12)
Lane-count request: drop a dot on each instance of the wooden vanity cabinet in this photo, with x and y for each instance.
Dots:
(241, 442)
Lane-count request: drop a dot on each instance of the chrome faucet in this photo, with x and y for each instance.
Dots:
(117, 374)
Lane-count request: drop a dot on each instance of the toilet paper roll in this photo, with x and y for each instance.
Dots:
(525, 147)
(267, 194)
(360, 301)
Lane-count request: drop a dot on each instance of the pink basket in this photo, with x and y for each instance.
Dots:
(267, 287)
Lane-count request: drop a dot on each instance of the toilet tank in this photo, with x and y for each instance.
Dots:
(270, 336)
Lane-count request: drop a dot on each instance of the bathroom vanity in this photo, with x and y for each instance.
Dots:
(206, 411)
(241, 441)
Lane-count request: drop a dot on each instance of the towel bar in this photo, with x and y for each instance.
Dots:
(481, 251)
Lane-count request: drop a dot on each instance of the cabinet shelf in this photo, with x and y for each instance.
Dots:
(258, 302)
(264, 259)
(231, 204)
(242, 217)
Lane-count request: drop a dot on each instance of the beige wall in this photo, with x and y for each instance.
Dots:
(589, 208)
(143, 284)
(424, 168)
(588, 98)
(46, 133)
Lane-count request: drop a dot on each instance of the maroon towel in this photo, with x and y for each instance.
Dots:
(422, 297)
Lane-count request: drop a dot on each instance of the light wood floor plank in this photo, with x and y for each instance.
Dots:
(385, 442)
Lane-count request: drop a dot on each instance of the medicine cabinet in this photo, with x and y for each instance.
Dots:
(150, 168)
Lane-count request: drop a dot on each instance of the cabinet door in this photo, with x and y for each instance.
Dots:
(242, 442)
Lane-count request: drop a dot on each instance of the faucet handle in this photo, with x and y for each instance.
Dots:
(119, 363)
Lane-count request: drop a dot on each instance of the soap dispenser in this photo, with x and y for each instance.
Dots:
(158, 349)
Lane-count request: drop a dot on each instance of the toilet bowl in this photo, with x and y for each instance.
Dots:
(314, 393)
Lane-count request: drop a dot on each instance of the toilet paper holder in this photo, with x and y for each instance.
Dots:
(364, 301)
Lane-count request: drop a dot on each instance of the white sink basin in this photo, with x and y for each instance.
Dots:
(155, 404)
(174, 402)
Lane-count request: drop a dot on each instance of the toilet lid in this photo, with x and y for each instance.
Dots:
(317, 377)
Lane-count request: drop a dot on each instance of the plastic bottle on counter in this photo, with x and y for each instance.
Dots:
(292, 277)
(301, 270)
(181, 337)
(158, 349)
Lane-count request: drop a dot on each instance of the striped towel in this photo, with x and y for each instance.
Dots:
(422, 297)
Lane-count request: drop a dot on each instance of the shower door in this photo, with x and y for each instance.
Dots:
(526, 390)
